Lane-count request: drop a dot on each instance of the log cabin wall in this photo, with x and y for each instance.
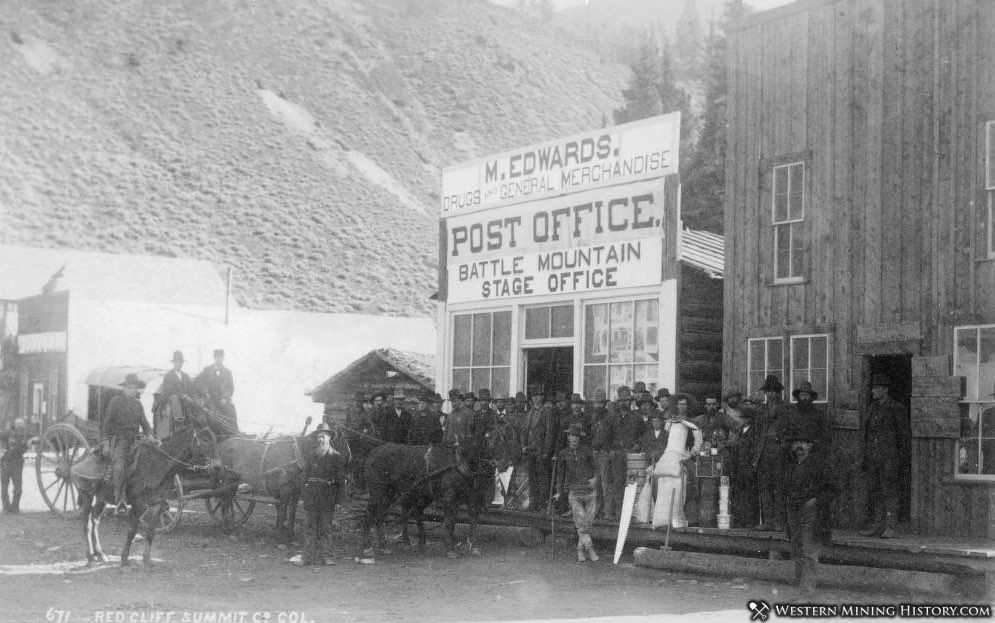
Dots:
(885, 105)
(699, 316)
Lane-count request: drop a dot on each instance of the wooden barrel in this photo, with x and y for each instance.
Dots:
(637, 461)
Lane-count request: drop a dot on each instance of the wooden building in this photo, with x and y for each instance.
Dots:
(860, 191)
(380, 370)
(564, 268)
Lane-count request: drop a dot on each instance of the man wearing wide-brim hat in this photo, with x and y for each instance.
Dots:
(575, 480)
(806, 485)
(771, 423)
(121, 427)
(626, 428)
(167, 409)
(539, 445)
(323, 474)
(881, 460)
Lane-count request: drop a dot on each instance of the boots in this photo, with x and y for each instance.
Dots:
(592, 555)
(580, 554)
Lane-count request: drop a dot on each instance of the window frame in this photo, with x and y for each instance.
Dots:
(970, 402)
(749, 359)
(793, 275)
(989, 156)
(791, 358)
(549, 339)
(632, 364)
(491, 366)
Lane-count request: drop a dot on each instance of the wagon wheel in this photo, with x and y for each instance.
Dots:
(170, 511)
(60, 447)
(241, 509)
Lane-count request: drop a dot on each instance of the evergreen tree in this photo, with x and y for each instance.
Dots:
(652, 89)
(688, 50)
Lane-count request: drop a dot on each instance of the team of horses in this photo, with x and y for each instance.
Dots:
(410, 477)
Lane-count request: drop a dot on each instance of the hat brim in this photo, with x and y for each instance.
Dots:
(811, 392)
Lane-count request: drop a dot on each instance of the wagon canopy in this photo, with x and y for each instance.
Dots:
(111, 377)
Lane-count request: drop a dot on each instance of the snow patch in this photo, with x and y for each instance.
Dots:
(465, 142)
(300, 121)
(374, 173)
(40, 56)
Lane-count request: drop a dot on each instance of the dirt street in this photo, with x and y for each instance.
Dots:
(200, 575)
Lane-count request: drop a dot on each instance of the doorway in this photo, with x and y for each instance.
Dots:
(899, 369)
(549, 370)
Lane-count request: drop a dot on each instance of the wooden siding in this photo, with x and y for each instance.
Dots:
(885, 102)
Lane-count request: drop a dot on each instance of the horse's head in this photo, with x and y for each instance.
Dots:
(194, 444)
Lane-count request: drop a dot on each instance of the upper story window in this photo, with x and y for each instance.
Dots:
(990, 184)
(974, 359)
(788, 220)
(765, 356)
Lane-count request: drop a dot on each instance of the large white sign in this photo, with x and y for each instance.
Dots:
(629, 152)
(620, 264)
(583, 219)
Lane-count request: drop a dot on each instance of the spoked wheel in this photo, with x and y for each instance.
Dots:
(241, 509)
(61, 446)
(170, 511)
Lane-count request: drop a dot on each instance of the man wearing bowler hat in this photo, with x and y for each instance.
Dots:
(122, 426)
(217, 382)
(394, 422)
(881, 464)
(167, 411)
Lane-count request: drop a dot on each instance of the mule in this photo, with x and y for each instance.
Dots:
(147, 485)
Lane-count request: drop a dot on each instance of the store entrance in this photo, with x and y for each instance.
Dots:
(549, 370)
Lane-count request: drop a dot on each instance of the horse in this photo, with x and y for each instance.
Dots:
(147, 484)
(410, 475)
(270, 466)
(418, 475)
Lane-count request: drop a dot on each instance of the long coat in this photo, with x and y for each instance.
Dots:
(218, 383)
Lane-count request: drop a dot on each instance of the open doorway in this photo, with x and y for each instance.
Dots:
(899, 369)
(549, 370)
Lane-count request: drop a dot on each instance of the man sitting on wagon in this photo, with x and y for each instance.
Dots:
(120, 430)
(167, 410)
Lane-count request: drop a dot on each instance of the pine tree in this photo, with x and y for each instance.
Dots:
(651, 89)
(688, 50)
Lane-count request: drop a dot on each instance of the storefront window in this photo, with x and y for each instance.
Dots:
(542, 323)
(482, 352)
(974, 359)
(621, 345)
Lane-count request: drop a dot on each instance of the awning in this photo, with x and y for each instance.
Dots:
(113, 376)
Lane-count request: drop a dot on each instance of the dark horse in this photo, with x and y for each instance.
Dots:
(416, 476)
(272, 467)
(147, 484)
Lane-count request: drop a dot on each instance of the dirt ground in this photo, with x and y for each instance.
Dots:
(200, 575)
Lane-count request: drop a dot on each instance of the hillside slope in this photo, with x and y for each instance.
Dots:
(299, 142)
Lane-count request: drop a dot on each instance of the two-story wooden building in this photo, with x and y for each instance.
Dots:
(859, 232)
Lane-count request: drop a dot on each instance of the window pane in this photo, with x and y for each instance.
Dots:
(595, 377)
(480, 379)
(797, 376)
(797, 249)
(537, 323)
(966, 358)
(500, 382)
(797, 190)
(618, 376)
(461, 340)
(563, 321)
(780, 194)
(596, 334)
(646, 374)
(621, 332)
(782, 244)
(502, 338)
(461, 379)
(987, 456)
(646, 339)
(758, 355)
(799, 347)
(775, 359)
(756, 381)
(481, 339)
(819, 351)
(987, 419)
(820, 382)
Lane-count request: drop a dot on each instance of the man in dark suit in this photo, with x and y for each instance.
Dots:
(771, 423)
(217, 382)
(168, 412)
(393, 423)
(881, 460)
(425, 427)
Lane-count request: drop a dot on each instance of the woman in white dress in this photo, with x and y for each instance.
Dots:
(669, 470)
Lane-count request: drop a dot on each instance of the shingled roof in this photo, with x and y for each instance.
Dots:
(373, 370)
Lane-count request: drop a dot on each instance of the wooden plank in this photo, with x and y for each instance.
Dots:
(871, 268)
(931, 366)
(889, 332)
(967, 164)
(950, 386)
(887, 270)
(946, 428)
